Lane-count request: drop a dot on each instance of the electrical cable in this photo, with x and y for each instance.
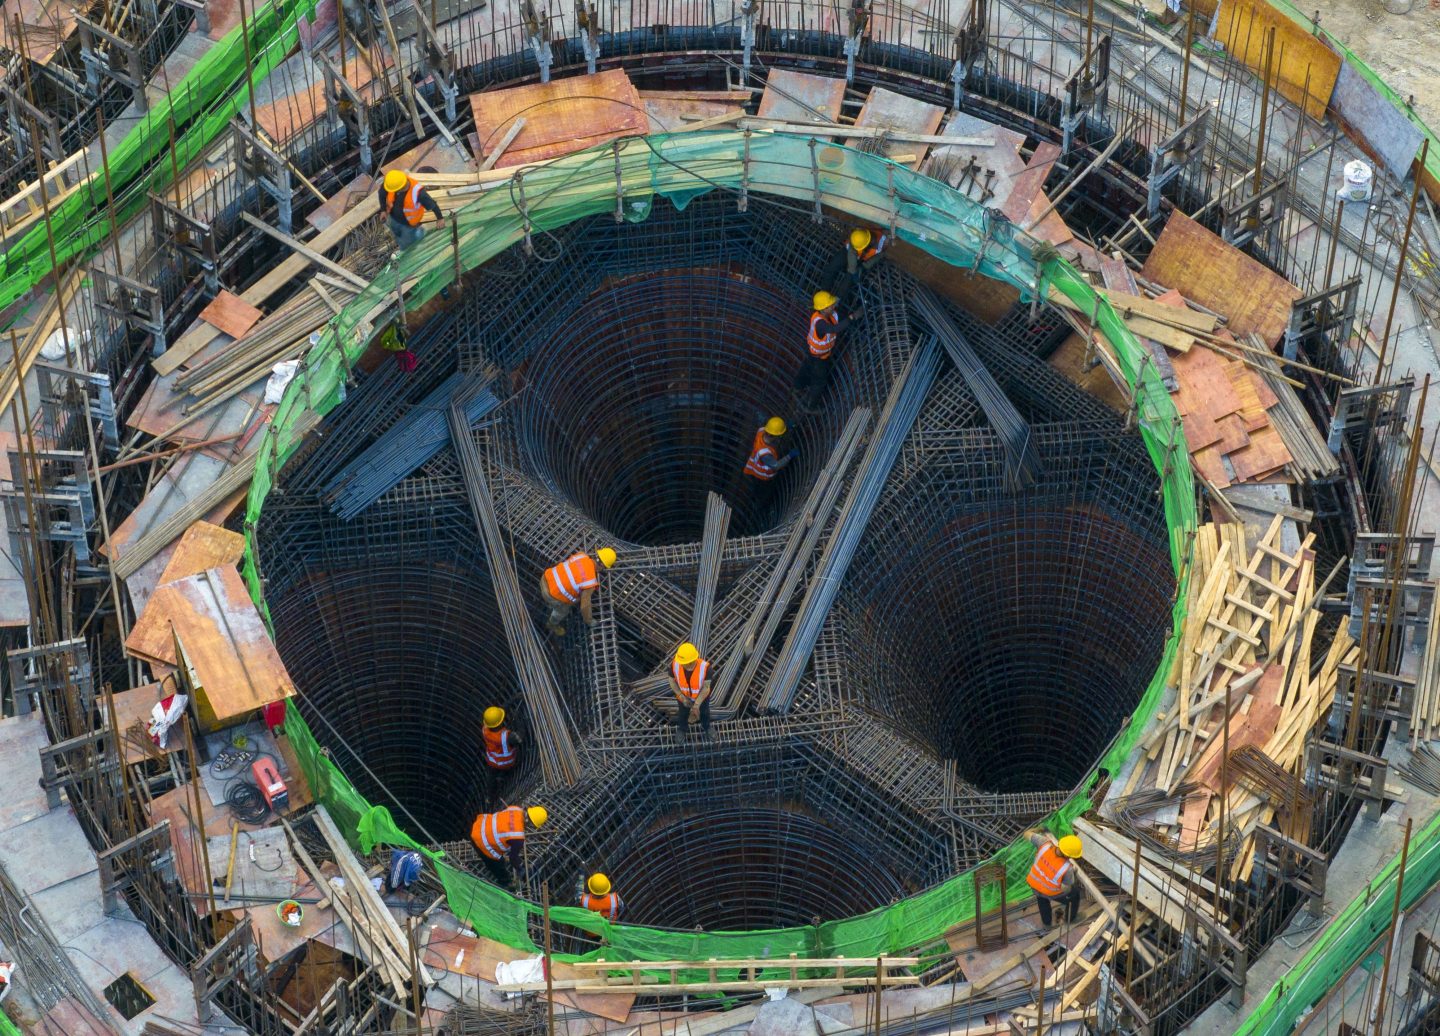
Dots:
(246, 803)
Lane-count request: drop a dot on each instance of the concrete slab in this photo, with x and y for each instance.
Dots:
(73, 907)
(46, 851)
(21, 738)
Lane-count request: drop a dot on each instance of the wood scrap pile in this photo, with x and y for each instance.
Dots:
(1249, 640)
(1425, 713)
(1310, 453)
(1073, 991)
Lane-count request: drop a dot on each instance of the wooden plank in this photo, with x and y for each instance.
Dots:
(1192, 260)
(202, 546)
(224, 637)
(1303, 68)
(1028, 184)
(886, 109)
(317, 258)
(801, 97)
(231, 314)
(337, 204)
(561, 117)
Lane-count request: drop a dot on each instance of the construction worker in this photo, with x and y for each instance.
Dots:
(404, 202)
(690, 683)
(601, 898)
(572, 582)
(764, 462)
(862, 249)
(1052, 875)
(501, 836)
(502, 746)
(821, 348)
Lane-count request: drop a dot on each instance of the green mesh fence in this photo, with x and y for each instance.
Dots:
(679, 167)
(193, 114)
(7, 1027)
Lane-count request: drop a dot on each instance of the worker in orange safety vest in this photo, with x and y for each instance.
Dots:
(821, 339)
(500, 836)
(765, 462)
(404, 201)
(573, 582)
(502, 745)
(1052, 875)
(601, 898)
(690, 683)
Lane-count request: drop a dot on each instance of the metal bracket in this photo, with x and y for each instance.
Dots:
(588, 23)
(269, 170)
(1295, 863)
(1255, 219)
(348, 110)
(57, 401)
(859, 16)
(99, 50)
(1086, 90)
(135, 305)
(1377, 406)
(56, 668)
(27, 125)
(1344, 773)
(1172, 155)
(187, 237)
(439, 62)
(537, 34)
(1325, 316)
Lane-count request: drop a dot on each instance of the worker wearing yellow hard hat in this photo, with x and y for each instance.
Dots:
(601, 898)
(502, 745)
(821, 340)
(1053, 875)
(404, 201)
(500, 836)
(862, 248)
(690, 683)
(571, 582)
(765, 461)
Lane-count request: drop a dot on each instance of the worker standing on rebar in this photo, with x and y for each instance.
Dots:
(821, 348)
(1052, 875)
(573, 582)
(690, 683)
(601, 898)
(862, 249)
(404, 201)
(765, 462)
(501, 836)
(502, 745)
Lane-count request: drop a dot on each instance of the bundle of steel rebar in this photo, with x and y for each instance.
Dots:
(907, 395)
(712, 543)
(1022, 466)
(548, 716)
(1310, 456)
(411, 441)
(739, 667)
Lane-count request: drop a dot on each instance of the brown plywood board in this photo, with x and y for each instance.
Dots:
(134, 706)
(1069, 360)
(1303, 68)
(1026, 188)
(202, 546)
(561, 117)
(886, 109)
(1192, 260)
(231, 314)
(801, 97)
(340, 202)
(224, 637)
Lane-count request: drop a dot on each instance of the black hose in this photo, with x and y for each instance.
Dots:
(246, 802)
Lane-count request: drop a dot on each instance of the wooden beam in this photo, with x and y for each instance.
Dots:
(305, 250)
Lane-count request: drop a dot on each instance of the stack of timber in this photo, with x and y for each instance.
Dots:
(1311, 459)
(1248, 643)
(1425, 714)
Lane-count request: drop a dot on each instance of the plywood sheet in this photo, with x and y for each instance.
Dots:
(947, 161)
(339, 203)
(1302, 66)
(561, 117)
(886, 109)
(1192, 260)
(1069, 360)
(1383, 127)
(801, 97)
(1028, 184)
(225, 639)
(134, 706)
(202, 546)
(231, 314)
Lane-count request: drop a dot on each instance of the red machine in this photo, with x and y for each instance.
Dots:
(268, 780)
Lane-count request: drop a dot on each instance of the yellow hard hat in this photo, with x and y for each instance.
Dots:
(538, 815)
(494, 716)
(395, 180)
(606, 556)
(687, 653)
(859, 239)
(824, 300)
(1070, 847)
(598, 884)
(775, 426)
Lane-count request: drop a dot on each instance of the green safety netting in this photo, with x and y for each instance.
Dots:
(678, 167)
(191, 116)
(7, 1027)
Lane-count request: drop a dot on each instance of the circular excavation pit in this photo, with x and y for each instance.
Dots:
(653, 397)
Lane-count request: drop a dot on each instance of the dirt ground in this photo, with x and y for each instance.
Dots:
(1404, 49)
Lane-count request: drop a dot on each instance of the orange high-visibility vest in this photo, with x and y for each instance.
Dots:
(493, 833)
(692, 683)
(500, 751)
(410, 206)
(1048, 871)
(761, 463)
(567, 579)
(821, 344)
(607, 906)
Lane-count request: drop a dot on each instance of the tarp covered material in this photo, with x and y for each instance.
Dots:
(196, 111)
(678, 167)
(1348, 937)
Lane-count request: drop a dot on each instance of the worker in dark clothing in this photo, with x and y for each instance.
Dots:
(821, 352)
(404, 202)
(690, 683)
(499, 837)
(1052, 876)
(601, 898)
(862, 250)
(764, 463)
